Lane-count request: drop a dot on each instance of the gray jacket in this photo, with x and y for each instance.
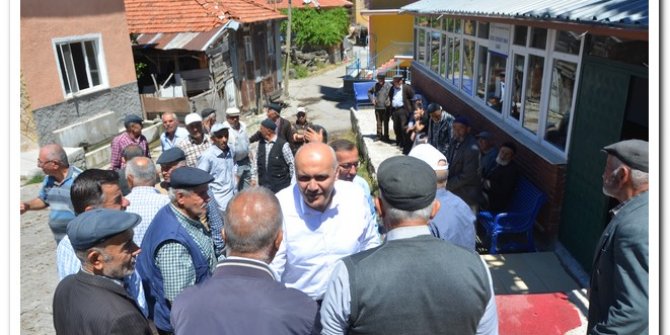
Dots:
(380, 93)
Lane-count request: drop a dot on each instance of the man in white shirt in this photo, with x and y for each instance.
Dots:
(173, 132)
(325, 219)
(238, 139)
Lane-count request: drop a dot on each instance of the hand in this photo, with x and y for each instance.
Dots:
(24, 207)
(312, 136)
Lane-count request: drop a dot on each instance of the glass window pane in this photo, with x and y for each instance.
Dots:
(444, 55)
(422, 21)
(92, 62)
(538, 38)
(483, 31)
(469, 27)
(63, 72)
(457, 26)
(619, 49)
(520, 34)
(454, 60)
(436, 23)
(481, 71)
(435, 51)
(69, 65)
(496, 86)
(468, 65)
(531, 108)
(563, 76)
(568, 42)
(450, 24)
(517, 86)
(421, 50)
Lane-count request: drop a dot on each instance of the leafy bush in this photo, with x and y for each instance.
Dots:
(318, 28)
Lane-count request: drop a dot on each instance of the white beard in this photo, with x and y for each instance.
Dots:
(502, 162)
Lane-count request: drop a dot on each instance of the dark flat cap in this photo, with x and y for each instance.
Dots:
(90, 228)
(274, 106)
(462, 120)
(433, 107)
(407, 183)
(189, 177)
(171, 155)
(131, 118)
(484, 134)
(207, 112)
(417, 97)
(267, 123)
(634, 153)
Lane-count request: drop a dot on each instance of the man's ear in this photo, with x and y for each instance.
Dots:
(95, 258)
(129, 180)
(223, 234)
(436, 208)
(378, 207)
(279, 238)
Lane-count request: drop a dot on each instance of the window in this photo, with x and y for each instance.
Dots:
(80, 63)
(248, 49)
(270, 39)
(535, 92)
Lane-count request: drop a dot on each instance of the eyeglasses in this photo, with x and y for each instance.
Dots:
(40, 163)
(348, 166)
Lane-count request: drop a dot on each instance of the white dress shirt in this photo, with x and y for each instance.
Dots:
(314, 241)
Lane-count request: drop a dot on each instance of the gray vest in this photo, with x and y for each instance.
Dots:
(420, 285)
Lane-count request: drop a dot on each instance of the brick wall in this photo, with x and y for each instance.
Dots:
(550, 178)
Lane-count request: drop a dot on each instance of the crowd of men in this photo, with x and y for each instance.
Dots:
(290, 239)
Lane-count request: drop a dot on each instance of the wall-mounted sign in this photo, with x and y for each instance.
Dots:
(499, 35)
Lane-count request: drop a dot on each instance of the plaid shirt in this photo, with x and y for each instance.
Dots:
(174, 261)
(120, 142)
(193, 151)
(145, 201)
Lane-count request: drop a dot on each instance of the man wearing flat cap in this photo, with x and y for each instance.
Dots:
(439, 127)
(238, 140)
(384, 290)
(379, 96)
(178, 246)
(274, 164)
(283, 126)
(93, 301)
(208, 119)
(197, 142)
(463, 158)
(401, 96)
(619, 288)
(132, 135)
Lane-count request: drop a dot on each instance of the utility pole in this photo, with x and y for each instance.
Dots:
(288, 50)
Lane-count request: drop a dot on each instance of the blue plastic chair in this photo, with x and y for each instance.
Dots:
(361, 93)
(519, 218)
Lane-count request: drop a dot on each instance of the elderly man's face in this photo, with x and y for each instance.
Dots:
(48, 166)
(169, 123)
(194, 203)
(612, 176)
(135, 129)
(233, 121)
(347, 164)
(119, 255)
(460, 131)
(166, 169)
(272, 114)
(195, 130)
(316, 175)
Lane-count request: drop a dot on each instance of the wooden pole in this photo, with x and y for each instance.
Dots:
(288, 51)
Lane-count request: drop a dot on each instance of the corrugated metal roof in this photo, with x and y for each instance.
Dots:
(183, 41)
(608, 12)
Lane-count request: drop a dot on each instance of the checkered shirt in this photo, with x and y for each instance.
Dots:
(145, 201)
(120, 142)
(193, 151)
(174, 261)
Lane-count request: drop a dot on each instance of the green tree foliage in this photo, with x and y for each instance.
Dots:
(318, 28)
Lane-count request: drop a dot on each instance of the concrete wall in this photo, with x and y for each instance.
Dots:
(550, 178)
(41, 21)
(121, 100)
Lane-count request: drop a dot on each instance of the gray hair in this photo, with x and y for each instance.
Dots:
(639, 178)
(55, 152)
(255, 225)
(131, 151)
(172, 193)
(393, 216)
(143, 171)
(172, 114)
(82, 255)
(442, 176)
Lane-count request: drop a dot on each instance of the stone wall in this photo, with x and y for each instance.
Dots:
(122, 100)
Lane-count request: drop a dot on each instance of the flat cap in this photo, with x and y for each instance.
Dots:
(430, 156)
(381, 74)
(90, 228)
(171, 155)
(189, 177)
(417, 97)
(192, 118)
(274, 106)
(433, 107)
(462, 120)
(217, 127)
(634, 153)
(267, 123)
(233, 111)
(131, 118)
(397, 76)
(484, 134)
(207, 112)
(407, 183)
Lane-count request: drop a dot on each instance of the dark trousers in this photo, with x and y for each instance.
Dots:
(382, 116)
(399, 123)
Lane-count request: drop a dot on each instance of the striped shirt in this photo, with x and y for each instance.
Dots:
(174, 261)
(145, 201)
(57, 196)
(193, 151)
(120, 142)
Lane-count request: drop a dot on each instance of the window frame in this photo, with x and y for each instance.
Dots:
(96, 39)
